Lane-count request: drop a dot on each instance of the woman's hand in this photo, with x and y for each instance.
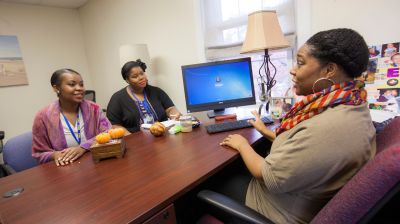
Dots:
(253, 161)
(173, 113)
(235, 141)
(57, 156)
(73, 153)
(258, 124)
(68, 155)
(174, 116)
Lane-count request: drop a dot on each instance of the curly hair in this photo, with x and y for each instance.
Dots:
(126, 69)
(344, 47)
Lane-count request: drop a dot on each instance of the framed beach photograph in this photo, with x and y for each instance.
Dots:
(12, 68)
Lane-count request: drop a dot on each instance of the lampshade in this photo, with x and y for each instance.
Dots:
(263, 32)
(132, 52)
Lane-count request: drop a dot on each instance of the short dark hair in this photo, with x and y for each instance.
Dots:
(126, 69)
(56, 77)
(345, 47)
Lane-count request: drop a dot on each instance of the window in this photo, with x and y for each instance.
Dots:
(225, 21)
(225, 25)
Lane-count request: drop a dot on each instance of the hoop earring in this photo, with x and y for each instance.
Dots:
(321, 79)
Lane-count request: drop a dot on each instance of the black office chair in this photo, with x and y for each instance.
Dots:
(3, 170)
(1, 140)
(90, 95)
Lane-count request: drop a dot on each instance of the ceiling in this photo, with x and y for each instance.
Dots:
(72, 4)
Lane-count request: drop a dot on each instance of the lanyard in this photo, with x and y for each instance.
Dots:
(77, 139)
(144, 106)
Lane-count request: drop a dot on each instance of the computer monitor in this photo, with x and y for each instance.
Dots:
(218, 85)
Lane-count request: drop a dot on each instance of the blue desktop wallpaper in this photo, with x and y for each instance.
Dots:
(215, 83)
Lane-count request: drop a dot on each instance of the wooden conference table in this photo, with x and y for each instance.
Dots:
(152, 175)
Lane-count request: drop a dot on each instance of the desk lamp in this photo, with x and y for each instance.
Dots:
(132, 52)
(263, 34)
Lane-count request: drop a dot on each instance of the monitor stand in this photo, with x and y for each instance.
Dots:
(219, 112)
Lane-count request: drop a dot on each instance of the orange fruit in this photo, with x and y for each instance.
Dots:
(103, 138)
(116, 133)
(157, 129)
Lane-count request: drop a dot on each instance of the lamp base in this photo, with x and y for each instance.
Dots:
(260, 108)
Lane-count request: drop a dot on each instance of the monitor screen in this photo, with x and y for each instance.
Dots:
(218, 85)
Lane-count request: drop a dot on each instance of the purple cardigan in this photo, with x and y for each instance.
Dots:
(48, 133)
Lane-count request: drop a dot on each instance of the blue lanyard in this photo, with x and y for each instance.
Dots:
(145, 105)
(77, 139)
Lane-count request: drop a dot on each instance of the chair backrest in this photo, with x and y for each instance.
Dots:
(90, 95)
(389, 136)
(379, 180)
(17, 152)
(1, 140)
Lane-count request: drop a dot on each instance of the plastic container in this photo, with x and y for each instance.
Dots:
(186, 123)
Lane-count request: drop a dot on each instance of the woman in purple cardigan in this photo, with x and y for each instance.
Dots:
(64, 130)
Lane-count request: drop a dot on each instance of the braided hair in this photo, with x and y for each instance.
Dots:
(126, 69)
(345, 47)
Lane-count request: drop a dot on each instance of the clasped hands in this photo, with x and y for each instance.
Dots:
(174, 116)
(236, 141)
(68, 155)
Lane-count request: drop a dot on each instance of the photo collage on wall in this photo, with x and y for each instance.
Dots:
(382, 77)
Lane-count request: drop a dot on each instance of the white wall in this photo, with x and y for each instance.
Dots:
(169, 28)
(50, 38)
(377, 21)
(172, 31)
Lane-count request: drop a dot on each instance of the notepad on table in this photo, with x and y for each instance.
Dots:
(167, 124)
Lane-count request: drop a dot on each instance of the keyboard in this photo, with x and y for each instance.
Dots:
(233, 125)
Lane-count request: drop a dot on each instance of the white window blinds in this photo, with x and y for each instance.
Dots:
(224, 29)
(225, 21)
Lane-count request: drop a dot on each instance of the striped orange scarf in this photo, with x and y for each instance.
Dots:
(348, 93)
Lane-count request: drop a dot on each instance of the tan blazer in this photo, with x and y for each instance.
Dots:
(309, 163)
